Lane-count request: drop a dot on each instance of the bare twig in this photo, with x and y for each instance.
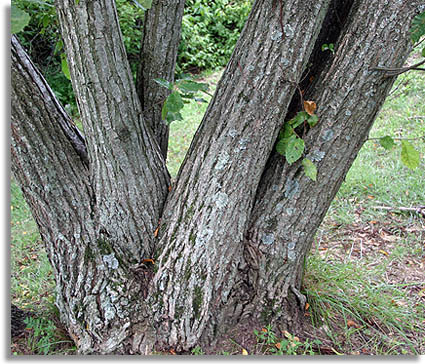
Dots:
(393, 71)
(418, 209)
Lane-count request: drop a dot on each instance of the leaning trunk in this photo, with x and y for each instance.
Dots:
(237, 227)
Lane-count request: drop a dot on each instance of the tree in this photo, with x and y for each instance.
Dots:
(143, 265)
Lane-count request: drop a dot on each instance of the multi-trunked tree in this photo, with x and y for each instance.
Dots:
(141, 265)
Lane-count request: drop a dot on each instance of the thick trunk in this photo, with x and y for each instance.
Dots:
(120, 145)
(240, 220)
(349, 94)
(161, 37)
(99, 295)
(206, 216)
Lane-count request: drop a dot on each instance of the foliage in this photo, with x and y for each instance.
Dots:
(418, 27)
(210, 30)
(183, 90)
(291, 145)
(131, 15)
(43, 338)
(288, 345)
(19, 19)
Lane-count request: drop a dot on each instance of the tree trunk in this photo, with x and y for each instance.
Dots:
(161, 37)
(240, 220)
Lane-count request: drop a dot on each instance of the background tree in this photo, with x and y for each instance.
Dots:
(236, 226)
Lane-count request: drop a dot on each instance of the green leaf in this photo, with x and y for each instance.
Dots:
(286, 131)
(312, 120)
(417, 29)
(173, 104)
(310, 169)
(298, 119)
(282, 144)
(423, 52)
(294, 149)
(172, 116)
(191, 86)
(387, 142)
(409, 155)
(143, 4)
(64, 65)
(164, 83)
(19, 19)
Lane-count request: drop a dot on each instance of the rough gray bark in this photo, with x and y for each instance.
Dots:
(161, 37)
(99, 295)
(206, 215)
(239, 221)
(349, 93)
(117, 136)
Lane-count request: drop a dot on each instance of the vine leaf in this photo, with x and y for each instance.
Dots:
(64, 66)
(417, 29)
(298, 119)
(164, 83)
(310, 169)
(387, 142)
(19, 19)
(282, 145)
(172, 106)
(189, 86)
(312, 120)
(294, 149)
(409, 155)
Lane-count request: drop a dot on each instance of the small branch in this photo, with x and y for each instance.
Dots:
(393, 71)
(419, 209)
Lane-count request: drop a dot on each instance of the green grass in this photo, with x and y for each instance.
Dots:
(388, 312)
(31, 273)
(377, 176)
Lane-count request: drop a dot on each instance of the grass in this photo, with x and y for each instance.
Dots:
(364, 281)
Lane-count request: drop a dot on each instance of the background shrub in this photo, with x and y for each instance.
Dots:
(210, 30)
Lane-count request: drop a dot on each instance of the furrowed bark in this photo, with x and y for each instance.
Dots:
(161, 37)
(128, 174)
(100, 300)
(349, 94)
(206, 215)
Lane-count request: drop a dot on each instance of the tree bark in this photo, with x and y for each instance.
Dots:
(161, 37)
(349, 95)
(240, 220)
(100, 296)
(120, 145)
(206, 215)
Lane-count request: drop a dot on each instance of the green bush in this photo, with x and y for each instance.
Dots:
(210, 30)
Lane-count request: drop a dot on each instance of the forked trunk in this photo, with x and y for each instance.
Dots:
(240, 220)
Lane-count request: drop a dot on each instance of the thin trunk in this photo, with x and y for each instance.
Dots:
(207, 213)
(128, 174)
(161, 37)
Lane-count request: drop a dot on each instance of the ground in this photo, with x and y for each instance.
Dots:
(365, 276)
